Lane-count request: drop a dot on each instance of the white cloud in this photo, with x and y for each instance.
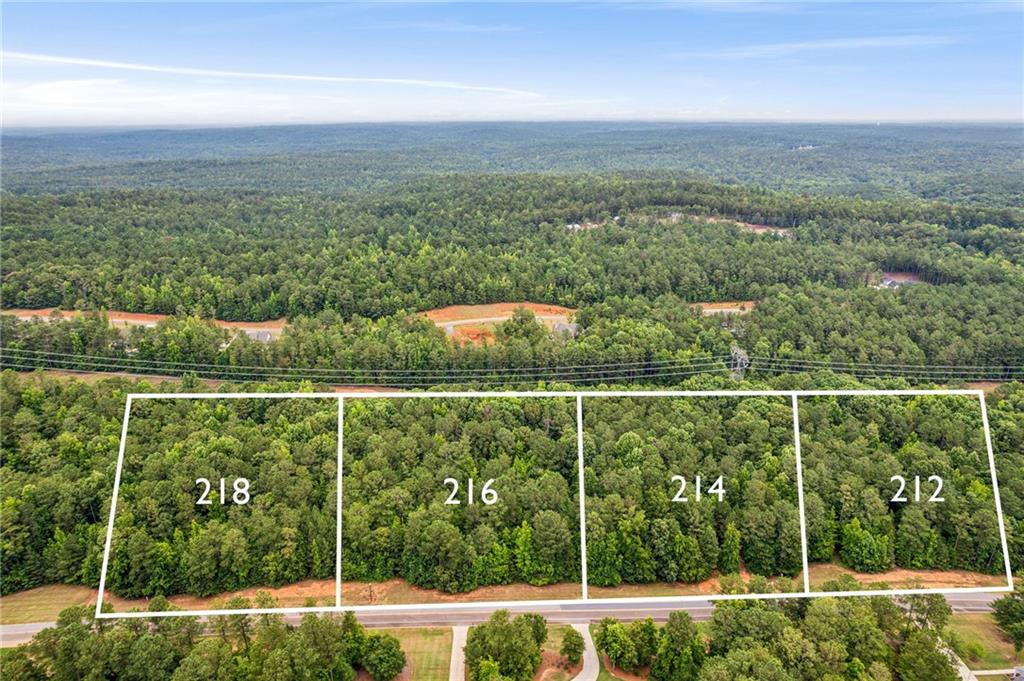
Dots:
(770, 50)
(220, 73)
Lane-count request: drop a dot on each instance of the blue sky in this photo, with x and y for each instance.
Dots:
(238, 64)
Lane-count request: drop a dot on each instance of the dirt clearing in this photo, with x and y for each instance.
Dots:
(709, 587)
(475, 323)
(400, 592)
(906, 579)
(725, 307)
(747, 226)
(127, 319)
(468, 314)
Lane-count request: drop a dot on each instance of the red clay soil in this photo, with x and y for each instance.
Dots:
(710, 586)
(455, 313)
(640, 675)
(905, 579)
(398, 592)
(552, 663)
(476, 334)
(117, 318)
(288, 596)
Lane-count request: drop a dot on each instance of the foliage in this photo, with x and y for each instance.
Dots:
(852, 448)
(573, 647)
(398, 454)
(248, 648)
(633, 447)
(1009, 615)
(502, 646)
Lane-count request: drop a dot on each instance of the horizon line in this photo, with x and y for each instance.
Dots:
(60, 127)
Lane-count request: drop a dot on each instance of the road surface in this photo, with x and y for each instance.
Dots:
(591, 665)
(457, 668)
(570, 613)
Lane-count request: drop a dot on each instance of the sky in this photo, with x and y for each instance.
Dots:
(190, 64)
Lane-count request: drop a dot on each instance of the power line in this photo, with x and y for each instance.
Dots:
(444, 372)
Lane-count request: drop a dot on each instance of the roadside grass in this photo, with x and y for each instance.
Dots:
(556, 632)
(980, 628)
(43, 603)
(428, 651)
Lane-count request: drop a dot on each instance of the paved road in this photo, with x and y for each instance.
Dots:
(570, 613)
(591, 665)
(457, 667)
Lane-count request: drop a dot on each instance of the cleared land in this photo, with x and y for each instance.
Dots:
(747, 226)
(905, 579)
(552, 663)
(128, 319)
(980, 629)
(475, 323)
(400, 592)
(709, 587)
(44, 603)
(724, 307)
(902, 277)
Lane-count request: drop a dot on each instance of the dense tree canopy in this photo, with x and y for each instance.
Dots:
(639, 529)
(241, 648)
(399, 454)
(852, 448)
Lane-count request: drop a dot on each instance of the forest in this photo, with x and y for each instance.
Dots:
(855, 639)
(224, 254)
(453, 494)
(481, 239)
(230, 647)
(645, 524)
(59, 450)
(274, 524)
(349, 233)
(966, 164)
(944, 518)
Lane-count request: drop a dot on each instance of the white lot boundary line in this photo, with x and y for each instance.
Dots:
(995, 490)
(578, 395)
(214, 612)
(113, 505)
(337, 521)
(552, 393)
(800, 495)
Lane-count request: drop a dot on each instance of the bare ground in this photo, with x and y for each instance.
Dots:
(124, 319)
(398, 591)
(709, 587)
(725, 307)
(905, 579)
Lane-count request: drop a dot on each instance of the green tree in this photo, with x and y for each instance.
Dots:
(920, 659)
(572, 648)
(1009, 615)
(729, 558)
(383, 656)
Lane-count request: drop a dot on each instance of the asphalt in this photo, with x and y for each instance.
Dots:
(571, 613)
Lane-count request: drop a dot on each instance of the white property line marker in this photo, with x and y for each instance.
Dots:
(113, 505)
(995, 488)
(800, 494)
(578, 395)
(337, 521)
